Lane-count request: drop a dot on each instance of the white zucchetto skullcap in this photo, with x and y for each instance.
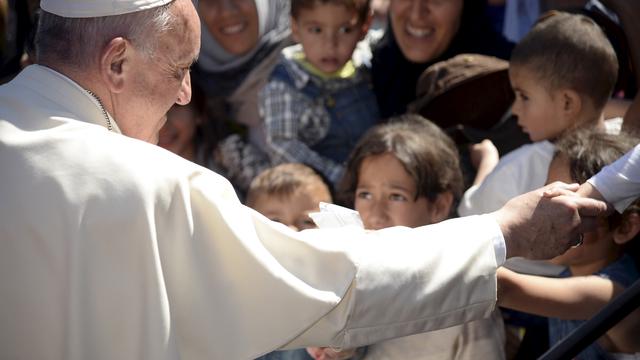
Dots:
(96, 8)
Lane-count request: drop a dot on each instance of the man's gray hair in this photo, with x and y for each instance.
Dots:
(77, 42)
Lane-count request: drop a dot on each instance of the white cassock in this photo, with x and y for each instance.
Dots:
(112, 248)
(619, 182)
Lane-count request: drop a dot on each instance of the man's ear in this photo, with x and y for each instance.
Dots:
(112, 63)
(628, 228)
(441, 206)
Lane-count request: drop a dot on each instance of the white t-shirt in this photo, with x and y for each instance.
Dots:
(520, 171)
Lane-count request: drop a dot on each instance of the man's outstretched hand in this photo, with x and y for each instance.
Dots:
(544, 223)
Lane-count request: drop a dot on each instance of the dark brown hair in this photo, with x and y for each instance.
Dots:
(588, 150)
(359, 6)
(423, 149)
(570, 51)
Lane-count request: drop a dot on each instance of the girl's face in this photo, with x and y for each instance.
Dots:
(234, 24)
(424, 29)
(385, 195)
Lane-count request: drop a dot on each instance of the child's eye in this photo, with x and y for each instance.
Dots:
(314, 29)
(345, 30)
(523, 97)
(397, 197)
(363, 195)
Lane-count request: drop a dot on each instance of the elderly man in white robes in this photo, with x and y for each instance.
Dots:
(113, 248)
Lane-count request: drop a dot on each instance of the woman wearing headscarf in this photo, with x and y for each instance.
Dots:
(421, 33)
(241, 43)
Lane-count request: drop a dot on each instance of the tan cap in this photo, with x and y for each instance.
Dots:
(97, 8)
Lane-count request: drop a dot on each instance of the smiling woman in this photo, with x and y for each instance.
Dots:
(241, 41)
(424, 32)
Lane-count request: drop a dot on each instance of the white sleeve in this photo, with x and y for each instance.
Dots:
(619, 183)
(243, 285)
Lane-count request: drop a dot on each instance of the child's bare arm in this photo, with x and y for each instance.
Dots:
(484, 157)
(624, 336)
(574, 298)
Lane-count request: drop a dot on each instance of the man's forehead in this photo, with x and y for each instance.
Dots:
(185, 39)
(97, 8)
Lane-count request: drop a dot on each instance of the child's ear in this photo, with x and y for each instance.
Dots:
(441, 207)
(366, 24)
(571, 103)
(295, 30)
(628, 228)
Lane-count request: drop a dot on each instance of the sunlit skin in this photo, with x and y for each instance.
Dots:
(328, 33)
(234, 24)
(386, 195)
(539, 110)
(177, 134)
(292, 210)
(424, 29)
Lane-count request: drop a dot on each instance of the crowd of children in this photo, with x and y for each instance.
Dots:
(320, 136)
(300, 102)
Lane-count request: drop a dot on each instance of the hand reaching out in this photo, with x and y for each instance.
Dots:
(544, 223)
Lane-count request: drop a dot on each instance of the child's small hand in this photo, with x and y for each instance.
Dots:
(325, 353)
(484, 153)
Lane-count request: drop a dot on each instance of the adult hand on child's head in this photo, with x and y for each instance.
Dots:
(544, 223)
(326, 353)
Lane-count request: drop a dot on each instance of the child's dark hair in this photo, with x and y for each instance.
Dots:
(284, 180)
(588, 150)
(569, 51)
(361, 7)
(423, 149)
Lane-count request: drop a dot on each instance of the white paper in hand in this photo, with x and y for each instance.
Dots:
(332, 216)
